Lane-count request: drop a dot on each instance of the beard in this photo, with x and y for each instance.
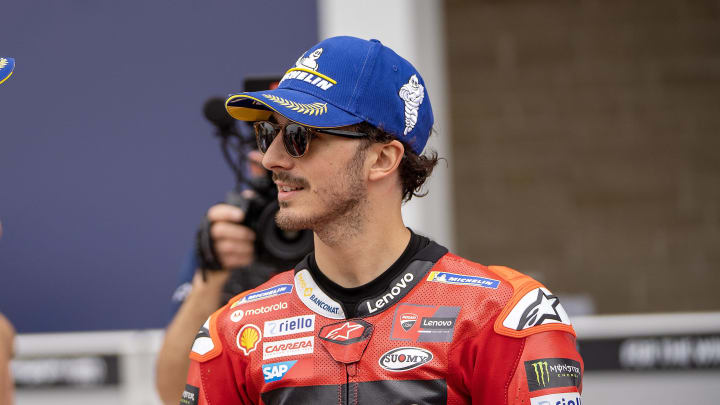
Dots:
(340, 205)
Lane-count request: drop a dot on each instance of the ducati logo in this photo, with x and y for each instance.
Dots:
(408, 320)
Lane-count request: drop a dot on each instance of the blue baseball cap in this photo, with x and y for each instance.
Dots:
(6, 68)
(344, 81)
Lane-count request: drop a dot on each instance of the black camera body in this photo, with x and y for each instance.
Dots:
(257, 197)
(273, 246)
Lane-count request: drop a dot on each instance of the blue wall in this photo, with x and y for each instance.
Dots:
(106, 162)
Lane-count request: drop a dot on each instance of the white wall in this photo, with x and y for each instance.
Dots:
(414, 29)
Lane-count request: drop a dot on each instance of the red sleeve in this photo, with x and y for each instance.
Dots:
(213, 383)
(216, 376)
(539, 369)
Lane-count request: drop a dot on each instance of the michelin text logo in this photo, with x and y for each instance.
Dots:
(461, 279)
(306, 70)
(266, 293)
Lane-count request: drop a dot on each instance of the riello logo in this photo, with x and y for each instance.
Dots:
(404, 358)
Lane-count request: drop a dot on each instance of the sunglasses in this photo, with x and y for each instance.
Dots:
(296, 137)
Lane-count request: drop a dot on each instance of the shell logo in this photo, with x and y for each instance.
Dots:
(248, 338)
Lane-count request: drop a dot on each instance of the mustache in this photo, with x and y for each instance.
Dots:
(286, 177)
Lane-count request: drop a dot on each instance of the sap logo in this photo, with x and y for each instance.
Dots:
(569, 398)
(390, 296)
(276, 371)
(289, 326)
(404, 358)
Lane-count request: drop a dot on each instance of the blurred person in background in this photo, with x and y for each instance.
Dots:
(376, 311)
(7, 349)
(196, 298)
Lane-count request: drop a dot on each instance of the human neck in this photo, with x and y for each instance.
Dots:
(359, 254)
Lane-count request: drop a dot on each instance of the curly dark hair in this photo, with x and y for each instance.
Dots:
(414, 169)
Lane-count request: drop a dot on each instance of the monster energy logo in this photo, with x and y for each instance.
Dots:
(542, 373)
(552, 372)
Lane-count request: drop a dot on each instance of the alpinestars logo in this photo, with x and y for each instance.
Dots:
(537, 307)
(203, 343)
(544, 308)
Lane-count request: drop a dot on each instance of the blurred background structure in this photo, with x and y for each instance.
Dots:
(580, 136)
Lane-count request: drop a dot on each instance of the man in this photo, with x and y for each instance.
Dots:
(376, 313)
(7, 350)
(196, 298)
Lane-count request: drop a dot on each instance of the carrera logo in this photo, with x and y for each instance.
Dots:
(289, 347)
(263, 294)
(289, 326)
(390, 296)
(404, 358)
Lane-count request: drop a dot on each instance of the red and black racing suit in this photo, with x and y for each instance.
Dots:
(443, 331)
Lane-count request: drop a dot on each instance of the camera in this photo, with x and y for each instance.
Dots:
(275, 248)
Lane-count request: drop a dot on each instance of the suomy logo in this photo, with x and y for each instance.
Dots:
(404, 358)
(390, 296)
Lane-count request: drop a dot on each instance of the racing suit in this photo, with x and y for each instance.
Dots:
(445, 331)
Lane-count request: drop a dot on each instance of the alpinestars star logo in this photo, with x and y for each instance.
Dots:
(343, 332)
(544, 308)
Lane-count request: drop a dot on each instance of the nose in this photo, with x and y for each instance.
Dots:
(276, 157)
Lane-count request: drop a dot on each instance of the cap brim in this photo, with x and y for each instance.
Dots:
(295, 105)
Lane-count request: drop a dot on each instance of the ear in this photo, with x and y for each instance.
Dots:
(387, 158)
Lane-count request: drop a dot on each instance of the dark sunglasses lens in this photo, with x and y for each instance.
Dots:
(264, 133)
(296, 139)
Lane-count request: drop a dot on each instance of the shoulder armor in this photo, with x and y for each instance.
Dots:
(207, 344)
(532, 308)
